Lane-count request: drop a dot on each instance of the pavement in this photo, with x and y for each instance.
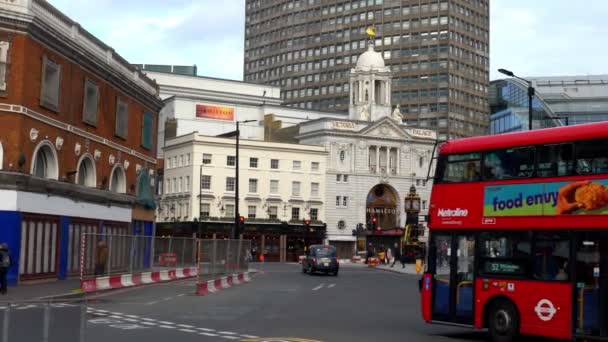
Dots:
(25, 292)
(398, 268)
(281, 304)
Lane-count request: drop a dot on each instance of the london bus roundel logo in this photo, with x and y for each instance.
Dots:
(545, 310)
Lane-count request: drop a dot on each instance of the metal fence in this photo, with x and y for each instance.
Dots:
(106, 254)
(223, 257)
(46, 321)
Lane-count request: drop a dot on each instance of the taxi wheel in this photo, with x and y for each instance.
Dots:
(503, 322)
(335, 273)
(303, 269)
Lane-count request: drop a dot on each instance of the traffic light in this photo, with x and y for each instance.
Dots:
(241, 224)
(374, 222)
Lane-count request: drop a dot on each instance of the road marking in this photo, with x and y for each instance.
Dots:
(104, 321)
(99, 310)
(185, 326)
(230, 337)
(148, 323)
(249, 336)
(132, 316)
(205, 329)
(331, 285)
(130, 319)
(152, 303)
(148, 319)
(181, 294)
(167, 326)
(128, 326)
(227, 333)
(116, 313)
(187, 330)
(116, 316)
(207, 334)
(318, 287)
(165, 322)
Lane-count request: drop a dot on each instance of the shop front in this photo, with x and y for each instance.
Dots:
(270, 241)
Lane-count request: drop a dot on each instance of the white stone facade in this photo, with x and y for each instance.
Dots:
(298, 180)
(352, 148)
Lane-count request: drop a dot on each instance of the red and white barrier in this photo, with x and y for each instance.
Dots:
(129, 280)
(225, 283)
(222, 283)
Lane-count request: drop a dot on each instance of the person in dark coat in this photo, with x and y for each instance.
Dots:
(5, 264)
(370, 253)
(398, 256)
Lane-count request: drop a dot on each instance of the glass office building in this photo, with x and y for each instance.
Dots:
(565, 100)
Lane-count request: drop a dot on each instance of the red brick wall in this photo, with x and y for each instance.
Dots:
(24, 72)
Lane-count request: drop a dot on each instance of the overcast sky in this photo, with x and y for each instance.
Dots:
(531, 38)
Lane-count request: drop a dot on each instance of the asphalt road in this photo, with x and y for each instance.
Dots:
(359, 305)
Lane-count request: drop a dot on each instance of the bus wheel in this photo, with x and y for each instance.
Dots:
(503, 321)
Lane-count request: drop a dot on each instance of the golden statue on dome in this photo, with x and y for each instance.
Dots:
(371, 32)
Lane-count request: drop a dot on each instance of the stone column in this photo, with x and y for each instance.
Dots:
(361, 90)
(388, 159)
(377, 159)
(398, 160)
(373, 91)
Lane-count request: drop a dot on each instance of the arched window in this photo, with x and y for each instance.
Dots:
(341, 225)
(118, 180)
(45, 161)
(342, 155)
(86, 174)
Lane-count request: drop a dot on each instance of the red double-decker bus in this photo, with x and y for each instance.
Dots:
(519, 234)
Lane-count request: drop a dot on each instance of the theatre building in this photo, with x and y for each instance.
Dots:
(77, 141)
(372, 161)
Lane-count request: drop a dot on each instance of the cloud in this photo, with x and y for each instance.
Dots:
(532, 38)
(200, 32)
(547, 37)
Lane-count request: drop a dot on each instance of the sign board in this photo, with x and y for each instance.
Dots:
(343, 125)
(547, 199)
(422, 133)
(215, 112)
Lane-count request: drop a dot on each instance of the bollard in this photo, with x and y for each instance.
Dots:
(46, 324)
(83, 322)
(5, 323)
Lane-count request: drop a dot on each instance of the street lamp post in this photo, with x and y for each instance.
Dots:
(235, 229)
(531, 93)
(237, 215)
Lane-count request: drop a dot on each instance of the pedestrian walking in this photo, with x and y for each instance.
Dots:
(101, 258)
(389, 255)
(370, 253)
(5, 264)
(398, 256)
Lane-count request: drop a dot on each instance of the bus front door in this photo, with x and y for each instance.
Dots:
(591, 284)
(453, 278)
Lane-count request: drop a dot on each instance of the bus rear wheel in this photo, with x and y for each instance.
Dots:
(503, 322)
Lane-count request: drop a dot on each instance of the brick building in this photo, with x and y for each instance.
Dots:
(77, 140)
